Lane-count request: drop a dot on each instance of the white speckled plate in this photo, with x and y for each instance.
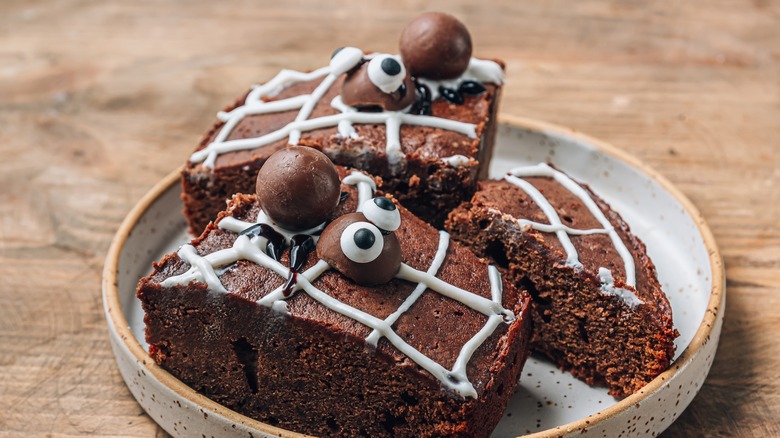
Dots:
(548, 402)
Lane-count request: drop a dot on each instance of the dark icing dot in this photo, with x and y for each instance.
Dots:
(301, 246)
(453, 96)
(384, 203)
(422, 105)
(276, 243)
(471, 87)
(424, 91)
(336, 52)
(402, 91)
(364, 238)
(391, 66)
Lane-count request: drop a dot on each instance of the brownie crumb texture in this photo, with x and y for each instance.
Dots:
(598, 308)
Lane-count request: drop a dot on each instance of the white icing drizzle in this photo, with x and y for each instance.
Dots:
(311, 274)
(608, 287)
(346, 130)
(479, 70)
(393, 134)
(308, 106)
(202, 270)
(438, 259)
(280, 306)
(457, 160)
(496, 286)
(484, 70)
(455, 379)
(562, 232)
(365, 184)
(230, 223)
(525, 224)
(476, 302)
(459, 370)
(552, 216)
(245, 248)
(282, 80)
(274, 106)
(392, 119)
(347, 58)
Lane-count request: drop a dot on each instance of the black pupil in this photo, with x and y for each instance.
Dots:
(364, 238)
(384, 203)
(391, 66)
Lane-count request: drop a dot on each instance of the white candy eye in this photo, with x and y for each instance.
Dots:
(382, 212)
(362, 242)
(387, 72)
(344, 60)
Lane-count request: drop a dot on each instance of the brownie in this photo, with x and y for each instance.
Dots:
(300, 364)
(590, 317)
(432, 172)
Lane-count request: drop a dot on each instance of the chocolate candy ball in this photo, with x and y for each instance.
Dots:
(436, 46)
(357, 249)
(298, 188)
(360, 90)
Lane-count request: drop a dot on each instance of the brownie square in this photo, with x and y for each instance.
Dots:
(598, 308)
(319, 361)
(439, 157)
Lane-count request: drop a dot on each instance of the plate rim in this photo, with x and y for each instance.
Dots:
(715, 306)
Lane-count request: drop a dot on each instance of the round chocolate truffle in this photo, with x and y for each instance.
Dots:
(298, 188)
(382, 82)
(357, 249)
(436, 46)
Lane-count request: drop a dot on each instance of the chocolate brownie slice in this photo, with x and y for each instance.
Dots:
(598, 308)
(437, 170)
(424, 122)
(436, 351)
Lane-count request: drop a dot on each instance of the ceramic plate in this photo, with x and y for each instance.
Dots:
(548, 402)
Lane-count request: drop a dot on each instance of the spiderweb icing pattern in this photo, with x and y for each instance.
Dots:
(254, 104)
(562, 232)
(202, 269)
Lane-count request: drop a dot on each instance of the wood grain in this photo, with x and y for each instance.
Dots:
(99, 100)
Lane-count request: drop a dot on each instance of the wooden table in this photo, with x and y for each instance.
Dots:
(99, 100)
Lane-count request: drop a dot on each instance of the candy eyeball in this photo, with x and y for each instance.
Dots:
(356, 248)
(345, 59)
(362, 242)
(382, 83)
(383, 213)
(387, 72)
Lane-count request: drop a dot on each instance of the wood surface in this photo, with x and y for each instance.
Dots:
(99, 100)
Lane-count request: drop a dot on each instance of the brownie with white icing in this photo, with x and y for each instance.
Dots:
(424, 121)
(598, 308)
(371, 323)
